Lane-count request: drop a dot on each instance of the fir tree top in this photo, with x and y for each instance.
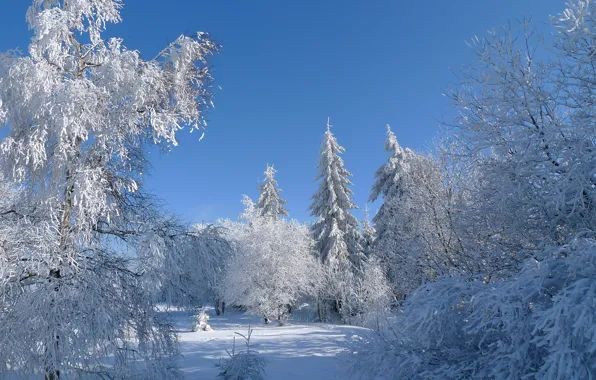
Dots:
(270, 203)
(389, 176)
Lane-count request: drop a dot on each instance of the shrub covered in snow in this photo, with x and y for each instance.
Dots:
(359, 297)
(201, 321)
(243, 365)
(540, 324)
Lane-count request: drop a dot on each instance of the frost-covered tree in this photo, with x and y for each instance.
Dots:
(525, 141)
(201, 254)
(415, 238)
(336, 229)
(212, 250)
(389, 184)
(525, 123)
(358, 297)
(393, 221)
(272, 266)
(270, 203)
(79, 110)
(390, 177)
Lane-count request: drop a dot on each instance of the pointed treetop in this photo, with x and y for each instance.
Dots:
(391, 144)
(270, 173)
(389, 176)
(270, 203)
(328, 124)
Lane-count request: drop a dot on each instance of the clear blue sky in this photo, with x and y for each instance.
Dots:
(287, 65)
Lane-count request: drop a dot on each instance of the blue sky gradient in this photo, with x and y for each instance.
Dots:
(287, 65)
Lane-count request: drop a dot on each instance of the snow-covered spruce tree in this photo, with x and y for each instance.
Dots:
(389, 247)
(79, 110)
(415, 240)
(389, 180)
(389, 184)
(272, 266)
(270, 203)
(336, 230)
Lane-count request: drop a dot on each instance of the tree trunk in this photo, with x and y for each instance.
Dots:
(52, 373)
(220, 307)
(321, 311)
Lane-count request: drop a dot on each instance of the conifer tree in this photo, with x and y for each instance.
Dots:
(389, 180)
(390, 185)
(414, 238)
(270, 204)
(336, 230)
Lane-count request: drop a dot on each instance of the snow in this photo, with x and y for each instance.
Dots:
(300, 350)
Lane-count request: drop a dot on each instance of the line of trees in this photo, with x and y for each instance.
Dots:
(349, 273)
(488, 246)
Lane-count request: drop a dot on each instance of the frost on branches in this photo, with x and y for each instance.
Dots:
(540, 324)
(79, 110)
(527, 124)
(415, 239)
(194, 271)
(270, 203)
(525, 136)
(336, 230)
(272, 265)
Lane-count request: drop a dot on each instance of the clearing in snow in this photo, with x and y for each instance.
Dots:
(300, 350)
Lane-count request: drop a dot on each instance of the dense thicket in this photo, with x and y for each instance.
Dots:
(519, 175)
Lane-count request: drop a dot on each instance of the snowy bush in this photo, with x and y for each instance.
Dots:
(242, 365)
(371, 296)
(537, 325)
(201, 321)
(360, 296)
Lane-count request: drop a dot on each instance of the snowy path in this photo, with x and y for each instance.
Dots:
(309, 351)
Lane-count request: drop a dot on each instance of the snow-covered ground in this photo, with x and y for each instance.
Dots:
(295, 351)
